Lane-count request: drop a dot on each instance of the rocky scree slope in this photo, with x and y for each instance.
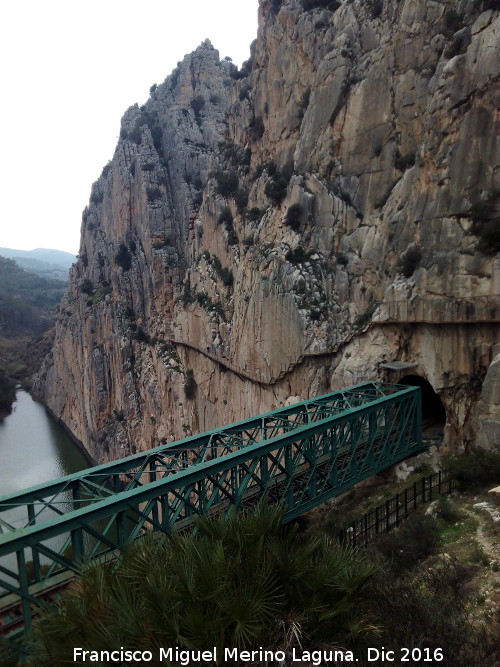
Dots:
(261, 214)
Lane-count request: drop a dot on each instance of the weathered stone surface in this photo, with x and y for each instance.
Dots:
(487, 415)
(384, 130)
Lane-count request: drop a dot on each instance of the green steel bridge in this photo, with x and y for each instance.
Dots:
(299, 455)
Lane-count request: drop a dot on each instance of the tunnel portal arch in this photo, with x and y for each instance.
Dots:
(433, 410)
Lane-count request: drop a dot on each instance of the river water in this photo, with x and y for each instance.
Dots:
(34, 448)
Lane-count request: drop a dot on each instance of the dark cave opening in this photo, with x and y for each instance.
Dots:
(433, 410)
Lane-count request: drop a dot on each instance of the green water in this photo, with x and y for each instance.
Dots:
(34, 448)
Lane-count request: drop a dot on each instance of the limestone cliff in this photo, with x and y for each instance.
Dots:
(284, 229)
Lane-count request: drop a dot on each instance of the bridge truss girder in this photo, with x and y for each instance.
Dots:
(300, 455)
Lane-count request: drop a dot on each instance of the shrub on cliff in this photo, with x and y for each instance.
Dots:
(410, 260)
(241, 200)
(375, 7)
(275, 6)
(476, 470)
(153, 193)
(332, 5)
(7, 393)
(197, 105)
(87, 286)
(123, 257)
(226, 217)
(486, 223)
(190, 385)
(452, 20)
(294, 216)
(276, 189)
(489, 234)
(256, 129)
(141, 336)
(224, 273)
(277, 186)
(255, 214)
(297, 256)
(227, 183)
(403, 162)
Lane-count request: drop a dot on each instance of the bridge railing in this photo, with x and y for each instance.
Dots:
(300, 456)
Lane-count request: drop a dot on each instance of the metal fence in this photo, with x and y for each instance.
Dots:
(390, 514)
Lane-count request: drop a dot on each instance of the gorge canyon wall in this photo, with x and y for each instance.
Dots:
(285, 229)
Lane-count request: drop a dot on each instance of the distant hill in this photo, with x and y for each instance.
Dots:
(43, 262)
(27, 302)
(27, 311)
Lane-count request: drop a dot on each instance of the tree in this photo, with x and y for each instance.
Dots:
(244, 581)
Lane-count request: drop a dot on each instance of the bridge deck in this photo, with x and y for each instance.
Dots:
(299, 455)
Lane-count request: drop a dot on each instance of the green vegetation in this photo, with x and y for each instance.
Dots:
(197, 105)
(188, 295)
(428, 607)
(403, 162)
(7, 393)
(375, 7)
(275, 6)
(106, 170)
(256, 129)
(342, 259)
(141, 336)
(277, 186)
(226, 219)
(332, 5)
(433, 575)
(123, 257)
(86, 286)
(249, 581)
(410, 260)
(413, 542)
(97, 196)
(150, 119)
(205, 301)
(224, 273)
(297, 256)
(452, 20)
(235, 155)
(245, 581)
(190, 385)
(25, 299)
(363, 318)
(27, 310)
(475, 470)
(486, 223)
(423, 598)
(227, 183)
(255, 214)
(241, 200)
(153, 193)
(293, 217)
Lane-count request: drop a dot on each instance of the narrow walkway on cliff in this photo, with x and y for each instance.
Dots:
(416, 310)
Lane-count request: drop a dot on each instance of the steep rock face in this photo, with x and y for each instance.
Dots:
(284, 229)
(488, 408)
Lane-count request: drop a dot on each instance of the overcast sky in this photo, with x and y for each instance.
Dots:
(69, 71)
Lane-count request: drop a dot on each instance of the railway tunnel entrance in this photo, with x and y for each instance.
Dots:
(433, 410)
